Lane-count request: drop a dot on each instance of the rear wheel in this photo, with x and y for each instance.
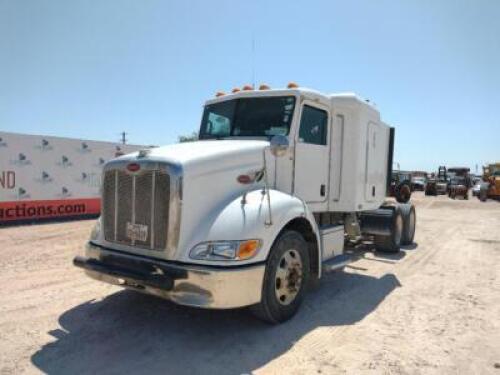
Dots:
(285, 279)
(392, 242)
(409, 223)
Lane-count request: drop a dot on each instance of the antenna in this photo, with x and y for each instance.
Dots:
(253, 17)
(253, 60)
(123, 140)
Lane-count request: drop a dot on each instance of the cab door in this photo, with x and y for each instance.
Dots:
(312, 152)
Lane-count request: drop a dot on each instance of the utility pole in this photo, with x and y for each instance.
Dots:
(124, 140)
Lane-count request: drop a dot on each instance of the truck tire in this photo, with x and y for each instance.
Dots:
(409, 223)
(392, 242)
(483, 194)
(285, 279)
(403, 193)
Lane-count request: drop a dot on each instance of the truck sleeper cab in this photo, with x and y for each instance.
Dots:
(279, 181)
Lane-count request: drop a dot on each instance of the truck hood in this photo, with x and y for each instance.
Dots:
(204, 156)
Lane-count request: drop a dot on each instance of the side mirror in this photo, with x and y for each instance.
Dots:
(279, 145)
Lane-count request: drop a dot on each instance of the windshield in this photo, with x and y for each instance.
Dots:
(248, 117)
(404, 177)
(458, 181)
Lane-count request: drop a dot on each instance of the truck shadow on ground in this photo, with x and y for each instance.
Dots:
(128, 332)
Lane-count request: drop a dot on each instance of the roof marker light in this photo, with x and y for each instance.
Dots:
(220, 93)
(247, 88)
(292, 85)
(264, 87)
(235, 90)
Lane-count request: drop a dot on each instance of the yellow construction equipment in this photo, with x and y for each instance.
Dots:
(491, 182)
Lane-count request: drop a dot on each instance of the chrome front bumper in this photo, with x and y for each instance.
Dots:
(199, 286)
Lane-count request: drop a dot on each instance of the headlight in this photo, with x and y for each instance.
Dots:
(226, 250)
(96, 230)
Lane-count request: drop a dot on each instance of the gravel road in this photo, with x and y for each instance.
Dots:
(434, 308)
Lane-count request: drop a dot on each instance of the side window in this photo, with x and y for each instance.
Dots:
(313, 126)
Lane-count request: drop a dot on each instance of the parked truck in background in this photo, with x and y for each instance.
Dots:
(459, 187)
(278, 183)
(437, 183)
(463, 172)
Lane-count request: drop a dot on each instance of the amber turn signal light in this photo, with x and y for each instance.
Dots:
(248, 249)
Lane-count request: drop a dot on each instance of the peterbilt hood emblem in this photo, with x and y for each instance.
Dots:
(133, 167)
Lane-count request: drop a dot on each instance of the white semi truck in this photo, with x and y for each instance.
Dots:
(278, 184)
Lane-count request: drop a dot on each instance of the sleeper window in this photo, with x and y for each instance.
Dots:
(313, 126)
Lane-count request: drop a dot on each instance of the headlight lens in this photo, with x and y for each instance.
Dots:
(96, 230)
(226, 250)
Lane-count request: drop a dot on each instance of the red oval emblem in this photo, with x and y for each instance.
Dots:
(133, 167)
(244, 179)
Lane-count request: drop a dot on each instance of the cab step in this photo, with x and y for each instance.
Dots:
(337, 262)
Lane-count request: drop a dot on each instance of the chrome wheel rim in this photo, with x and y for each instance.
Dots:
(288, 278)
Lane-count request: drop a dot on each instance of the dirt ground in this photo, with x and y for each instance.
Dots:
(432, 309)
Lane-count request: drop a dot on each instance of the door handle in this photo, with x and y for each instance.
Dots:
(322, 190)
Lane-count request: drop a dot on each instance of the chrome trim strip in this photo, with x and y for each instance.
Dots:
(133, 206)
(116, 206)
(153, 200)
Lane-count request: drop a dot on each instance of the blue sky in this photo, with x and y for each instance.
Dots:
(91, 69)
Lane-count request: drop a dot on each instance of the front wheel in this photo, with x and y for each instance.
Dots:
(285, 279)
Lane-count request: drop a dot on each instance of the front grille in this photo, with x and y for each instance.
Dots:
(140, 198)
